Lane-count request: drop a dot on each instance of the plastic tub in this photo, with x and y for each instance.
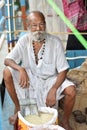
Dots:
(25, 125)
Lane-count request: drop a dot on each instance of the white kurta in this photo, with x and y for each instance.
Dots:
(43, 75)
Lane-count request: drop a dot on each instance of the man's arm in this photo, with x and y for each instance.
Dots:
(12, 64)
(51, 97)
(23, 77)
(60, 78)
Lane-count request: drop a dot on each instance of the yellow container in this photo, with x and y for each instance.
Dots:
(25, 125)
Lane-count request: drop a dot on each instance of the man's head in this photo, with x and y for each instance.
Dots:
(36, 25)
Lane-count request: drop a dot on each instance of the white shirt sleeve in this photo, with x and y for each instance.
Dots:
(61, 62)
(16, 53)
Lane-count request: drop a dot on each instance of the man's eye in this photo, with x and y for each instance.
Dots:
(34, 25)
(42, 24)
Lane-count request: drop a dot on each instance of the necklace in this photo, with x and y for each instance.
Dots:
(36, 53)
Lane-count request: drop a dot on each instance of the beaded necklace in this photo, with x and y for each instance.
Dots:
(42, 52)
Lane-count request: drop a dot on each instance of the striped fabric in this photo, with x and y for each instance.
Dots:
(75, 11)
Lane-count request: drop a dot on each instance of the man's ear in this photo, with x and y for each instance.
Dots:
(28, 26)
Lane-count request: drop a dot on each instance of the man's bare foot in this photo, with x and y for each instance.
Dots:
(13, 119)
(66, 126)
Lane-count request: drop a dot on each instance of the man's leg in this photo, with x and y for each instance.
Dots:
(11, 90)
(69, 100)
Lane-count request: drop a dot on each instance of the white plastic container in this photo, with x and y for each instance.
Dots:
(25, 125)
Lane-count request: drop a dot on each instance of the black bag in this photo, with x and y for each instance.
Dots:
(2, 91)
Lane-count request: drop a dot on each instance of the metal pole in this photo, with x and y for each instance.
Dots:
(23, 9)
(10, 23)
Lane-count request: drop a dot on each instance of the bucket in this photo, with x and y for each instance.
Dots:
(25, 125)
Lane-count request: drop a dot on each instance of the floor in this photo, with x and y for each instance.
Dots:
(73, 123)
(7, 111)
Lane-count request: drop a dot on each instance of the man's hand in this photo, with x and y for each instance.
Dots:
(23, 78)
(51, 97)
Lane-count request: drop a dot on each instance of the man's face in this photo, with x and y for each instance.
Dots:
(37, 28)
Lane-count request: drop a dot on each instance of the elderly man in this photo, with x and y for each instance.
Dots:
(43, 69)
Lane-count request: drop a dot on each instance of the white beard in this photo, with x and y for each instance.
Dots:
(37, 36)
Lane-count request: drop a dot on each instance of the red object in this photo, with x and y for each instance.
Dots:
(23, 9)
(75, 11)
